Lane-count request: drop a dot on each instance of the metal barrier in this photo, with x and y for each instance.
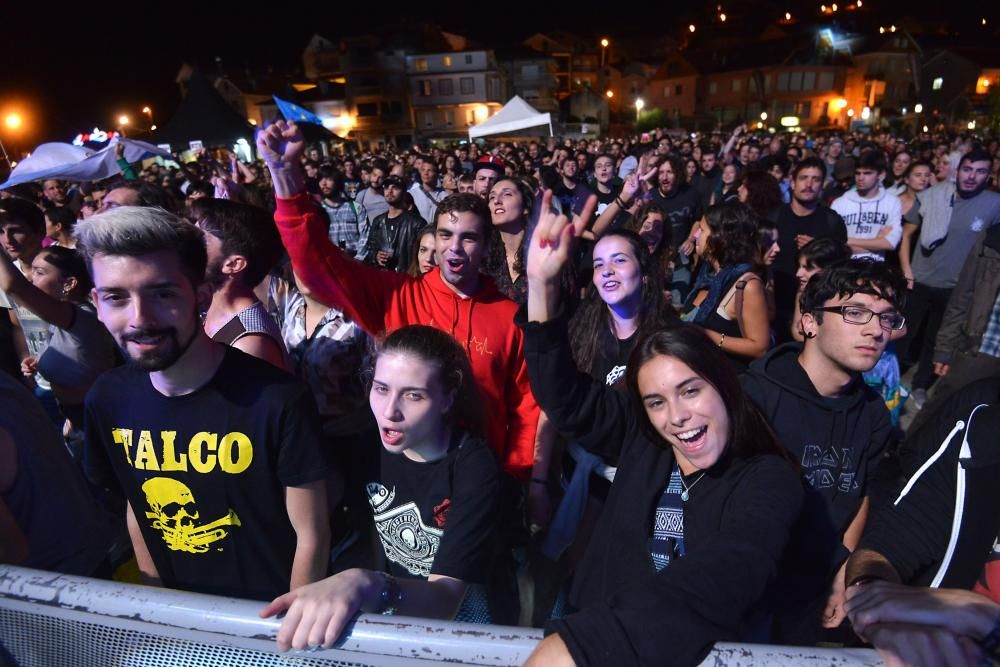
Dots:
(52, 620)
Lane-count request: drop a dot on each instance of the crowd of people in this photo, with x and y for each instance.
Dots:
(648, 393)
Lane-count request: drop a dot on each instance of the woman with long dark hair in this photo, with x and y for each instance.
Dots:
(623, 302)
(703, 502)
(435, 468)
(510, 201)
(728, 298)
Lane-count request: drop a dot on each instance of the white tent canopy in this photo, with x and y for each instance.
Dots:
(515, 115)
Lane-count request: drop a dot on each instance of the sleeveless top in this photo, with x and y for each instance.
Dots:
(252, 320)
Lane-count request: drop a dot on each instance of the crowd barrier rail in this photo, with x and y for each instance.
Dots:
(53, 620)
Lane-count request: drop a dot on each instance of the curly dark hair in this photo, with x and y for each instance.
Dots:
(763, 192)
(734, 234)
(855, 276)
(466, 202)
(664, 254)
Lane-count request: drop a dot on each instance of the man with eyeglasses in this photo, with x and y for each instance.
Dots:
(831, 422)
(393, 233)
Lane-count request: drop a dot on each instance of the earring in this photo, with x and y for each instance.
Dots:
(810, 334)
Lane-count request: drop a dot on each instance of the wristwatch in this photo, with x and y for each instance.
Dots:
(392, 595)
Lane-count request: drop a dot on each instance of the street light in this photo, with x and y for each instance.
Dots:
(123, 120)
(691, 28)
(763, 115)
(722, 17)
(604, 48)
(639, 104)
(788, 16)
(610, 94)
(919, 108)
(13, 121)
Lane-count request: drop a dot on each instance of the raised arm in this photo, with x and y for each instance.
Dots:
(362, 292)
(578, 406)
(621, 203)
(57, 313)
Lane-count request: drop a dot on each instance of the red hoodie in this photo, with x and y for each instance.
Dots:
(383, 301)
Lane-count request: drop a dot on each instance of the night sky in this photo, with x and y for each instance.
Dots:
(69, 71)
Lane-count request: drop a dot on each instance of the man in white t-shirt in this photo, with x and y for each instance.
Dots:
(873, 216)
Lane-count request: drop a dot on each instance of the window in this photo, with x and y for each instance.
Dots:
(449, 118)
(782, 82)
(795, 81)
(428, 119)
(825, 81)
(467, 85)
(420, 64)
(666, 91)
(529, 71)
(468, 60)
(367, 109)
(446, 87)
(737, 85)
(447, 61)
(426, 87)
(678, 89)
(767, 83)
(713, 87)
(938, 82)
(808, 80)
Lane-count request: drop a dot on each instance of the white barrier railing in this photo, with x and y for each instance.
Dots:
(48, 620)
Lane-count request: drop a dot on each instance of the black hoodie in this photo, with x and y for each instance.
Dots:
(837, 441)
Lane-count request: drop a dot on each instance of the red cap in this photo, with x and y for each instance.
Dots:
(491, 162)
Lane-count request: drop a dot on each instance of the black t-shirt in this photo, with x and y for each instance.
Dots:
(823, 223)
(206, 473)
(683, 207)
(611, 358)
(438, 517)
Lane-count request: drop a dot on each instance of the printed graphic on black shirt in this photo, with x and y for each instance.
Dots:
(829, 467)
(175, 514)
(406, 539)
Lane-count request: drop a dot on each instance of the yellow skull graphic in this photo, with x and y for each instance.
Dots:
(174, 514)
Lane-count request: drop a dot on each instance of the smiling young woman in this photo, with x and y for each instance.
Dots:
(703, 502)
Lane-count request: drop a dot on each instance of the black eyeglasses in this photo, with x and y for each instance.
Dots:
(891, 321)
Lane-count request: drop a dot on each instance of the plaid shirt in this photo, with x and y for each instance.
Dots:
(991, 337)
(348, 227)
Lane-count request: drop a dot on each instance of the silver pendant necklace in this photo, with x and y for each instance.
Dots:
(687, 489)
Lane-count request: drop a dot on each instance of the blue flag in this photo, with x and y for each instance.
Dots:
(292, 111)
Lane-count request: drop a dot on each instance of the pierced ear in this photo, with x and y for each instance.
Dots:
(808, 324)
(70, 284)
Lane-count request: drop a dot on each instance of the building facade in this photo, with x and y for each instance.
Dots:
(451, 92)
